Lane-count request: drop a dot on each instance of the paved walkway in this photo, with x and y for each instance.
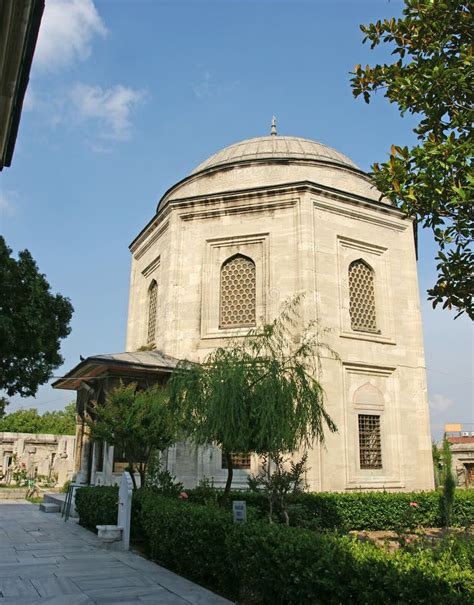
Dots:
(44, 560)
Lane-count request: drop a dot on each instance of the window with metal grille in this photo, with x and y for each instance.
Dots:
(370, 448)
(237, 293)
(362, 297)
(99, 456)
(238, 461)
(152, 302)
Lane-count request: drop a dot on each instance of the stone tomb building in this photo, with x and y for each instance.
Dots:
(251, 226)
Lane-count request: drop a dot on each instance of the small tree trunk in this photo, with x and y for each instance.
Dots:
(285, 512)
(132, 475)
(141, 470)
(270, 512)
(230, 474)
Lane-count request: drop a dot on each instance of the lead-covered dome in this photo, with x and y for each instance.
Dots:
(271, 161)
(275, 147)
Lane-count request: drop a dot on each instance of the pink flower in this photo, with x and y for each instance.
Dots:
(183, 496)
(414, 504)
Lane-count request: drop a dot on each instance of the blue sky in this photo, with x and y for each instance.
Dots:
(127, 97)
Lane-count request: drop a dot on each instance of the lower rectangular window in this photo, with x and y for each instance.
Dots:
(370, 447)
(241, 461)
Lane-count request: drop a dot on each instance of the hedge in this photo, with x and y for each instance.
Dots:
(358, 511)
(97, 505)
(262, 563)
(343, 511)
(268, 564)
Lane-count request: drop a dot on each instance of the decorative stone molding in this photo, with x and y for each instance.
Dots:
(153, 266)
(147, 240)
(365, 215)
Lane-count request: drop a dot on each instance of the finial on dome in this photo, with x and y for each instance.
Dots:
(273, 130)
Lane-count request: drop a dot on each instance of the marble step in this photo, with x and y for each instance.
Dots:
(49, 507)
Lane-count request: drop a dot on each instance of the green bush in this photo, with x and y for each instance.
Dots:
(358, 511)
(292, 566)
(97, 505)
(263, 564)
(352, 511)
(189, 539)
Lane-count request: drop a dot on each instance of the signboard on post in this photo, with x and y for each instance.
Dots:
(239, 508)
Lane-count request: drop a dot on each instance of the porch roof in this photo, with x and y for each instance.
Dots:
(137, 363)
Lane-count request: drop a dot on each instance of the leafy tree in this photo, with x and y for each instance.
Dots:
(61, 422)
(281, 482)
(32, 323)
(437, 463)
(3, 404)
(433, 78)
(259, 394)
(448, 482)
(138, 423)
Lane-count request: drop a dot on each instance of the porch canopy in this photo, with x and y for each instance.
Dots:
(138, 366)
(96, 376)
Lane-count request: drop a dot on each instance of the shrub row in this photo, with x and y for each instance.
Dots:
(262, 563)
(352, 511)
(357, 511)
(97, 505)
(268, 564)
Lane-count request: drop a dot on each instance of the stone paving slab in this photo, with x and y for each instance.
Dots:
(45, 561)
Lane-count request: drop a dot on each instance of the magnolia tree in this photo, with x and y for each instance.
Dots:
(431, 77)
(138, 423)
(259, 394)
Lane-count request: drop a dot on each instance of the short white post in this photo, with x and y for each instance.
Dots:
(125, 508)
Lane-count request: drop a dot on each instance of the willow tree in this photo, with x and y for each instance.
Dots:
(138, 423)
(259, 394)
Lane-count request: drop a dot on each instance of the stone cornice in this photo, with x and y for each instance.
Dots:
(255, 162)
(254, 196)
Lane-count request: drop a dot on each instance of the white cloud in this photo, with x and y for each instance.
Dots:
(66, 33)
(203, 89)
(7, 206)
(207, 87)
(109, 107)
(440, 403)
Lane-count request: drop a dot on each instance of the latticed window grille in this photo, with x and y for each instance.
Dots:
(362, 297)
(238, 293)
(370, 447)
(241, 461)
(152, 302)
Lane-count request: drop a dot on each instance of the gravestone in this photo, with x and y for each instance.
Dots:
(109, 535)
(125, 508)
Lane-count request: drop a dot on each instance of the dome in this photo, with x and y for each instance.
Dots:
(275, 147)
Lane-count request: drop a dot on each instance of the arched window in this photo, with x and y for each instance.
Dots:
(362, 297)
(237, 293)
(152, 301)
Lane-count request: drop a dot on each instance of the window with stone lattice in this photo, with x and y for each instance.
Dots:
(152, 303)
(238, 291)
(362, 297)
